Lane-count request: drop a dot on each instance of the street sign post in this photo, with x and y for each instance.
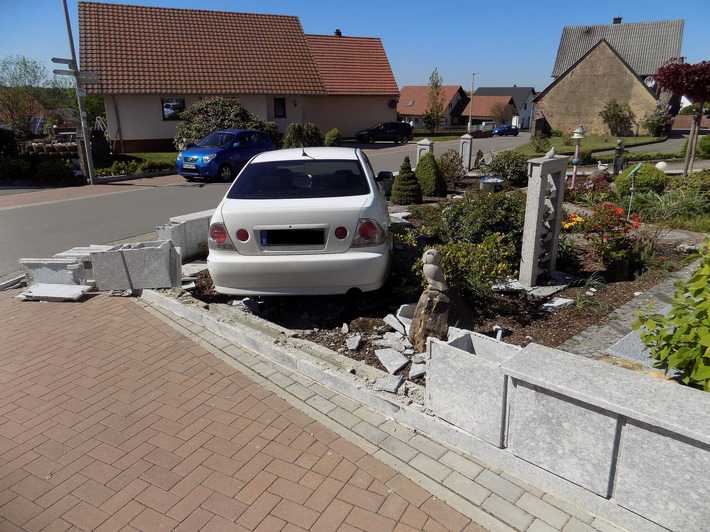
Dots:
(73, 70)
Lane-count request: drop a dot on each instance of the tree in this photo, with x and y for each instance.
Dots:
(19, 76)
(657, 123)
(692, 81)
(501, 113)
(618, 117)
(435, 102)
(211, 114)
(406, 190)
(302, 135)
(429, 176)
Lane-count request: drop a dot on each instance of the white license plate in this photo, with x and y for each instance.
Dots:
(189, 166)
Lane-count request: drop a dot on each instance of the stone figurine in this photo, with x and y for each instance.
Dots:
(431, 316)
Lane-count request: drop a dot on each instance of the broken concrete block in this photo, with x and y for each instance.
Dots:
(191, 269)
(345, 329)
(390, 384)
(54, 292)
(557, 303)
(154, 264)
(405, 314)
(353, 342)
(54, 271)
(391, 359)
(188, 232)
(393, 322)
(417, 370)
(419, 358)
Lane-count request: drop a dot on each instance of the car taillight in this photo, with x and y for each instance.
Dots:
(219, 238)
(368, 233)
(341, 232)
(242, 235)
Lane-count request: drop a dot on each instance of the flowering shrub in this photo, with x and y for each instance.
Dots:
(572, 222)
(590, 190)
(612, 236)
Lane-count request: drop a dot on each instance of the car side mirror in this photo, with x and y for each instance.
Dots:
(384, 176)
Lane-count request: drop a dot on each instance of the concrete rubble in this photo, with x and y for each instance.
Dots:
(417, 370)
(557, 303)
(353, 342)
(390, 384)
(55, 292)
(391, 359)
(67, 271)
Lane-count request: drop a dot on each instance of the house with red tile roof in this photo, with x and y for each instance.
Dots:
(481, 108)
(414, 103)
(153, 62)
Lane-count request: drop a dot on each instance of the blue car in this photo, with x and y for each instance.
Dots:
(221, 154)
(503, 131)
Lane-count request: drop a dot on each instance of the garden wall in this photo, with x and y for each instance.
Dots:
(638, 442)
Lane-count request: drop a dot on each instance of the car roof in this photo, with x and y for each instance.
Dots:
(295, 154)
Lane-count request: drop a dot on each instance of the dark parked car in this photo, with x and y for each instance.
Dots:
(221, 154)
(392, 131)
(504, 131)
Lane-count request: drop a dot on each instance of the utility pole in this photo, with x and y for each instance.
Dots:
(470, 105)
(84, 147)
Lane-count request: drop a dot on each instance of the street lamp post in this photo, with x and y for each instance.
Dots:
(577, 135)
(469, 127)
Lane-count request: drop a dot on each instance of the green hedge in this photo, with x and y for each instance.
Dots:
(647, 179)
(429, 176)
(406, 190)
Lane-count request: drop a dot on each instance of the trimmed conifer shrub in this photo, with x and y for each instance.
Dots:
(429, 177)
(406, 190)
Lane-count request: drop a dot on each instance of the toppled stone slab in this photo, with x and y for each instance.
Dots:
(389, 384)
(632, 347)
(393, 322)
(391, 359)
(395, 341)
(405, 314)
(353, 342)
(557, 303)
(54, 292)
(419, 358)
(417, 370)
(69, 271)
(193, 268)
(154, 264)
(188, 232)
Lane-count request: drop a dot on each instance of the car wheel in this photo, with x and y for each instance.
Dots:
(225, 173)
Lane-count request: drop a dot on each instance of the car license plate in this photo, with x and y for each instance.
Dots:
(189, 166)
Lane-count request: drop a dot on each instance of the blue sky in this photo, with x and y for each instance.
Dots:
(504, 42)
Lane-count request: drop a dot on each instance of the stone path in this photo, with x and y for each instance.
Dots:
(114, 417)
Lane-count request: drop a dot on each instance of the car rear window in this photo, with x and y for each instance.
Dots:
(307, 178)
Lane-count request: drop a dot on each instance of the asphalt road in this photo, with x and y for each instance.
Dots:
(44, 229)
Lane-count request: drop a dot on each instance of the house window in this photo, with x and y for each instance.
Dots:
(279, 107)
(172, 107)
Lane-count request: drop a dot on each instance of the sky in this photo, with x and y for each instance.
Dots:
(505, 43)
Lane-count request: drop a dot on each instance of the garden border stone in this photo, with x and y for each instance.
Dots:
(333, 371)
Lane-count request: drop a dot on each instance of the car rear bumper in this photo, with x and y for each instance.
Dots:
(319, 274)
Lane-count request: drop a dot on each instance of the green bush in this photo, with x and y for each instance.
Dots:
(8, 143)
(211, 114)
(302, 135)
(680, 341)
(648, 178)
(477, 216)
(555, 133)
(681, 202)
(429, 177)
(510, 165)
(53, 171)
(704, 145)
(539, 144)
(471, 269)
(451, 167)
(657, 122)
(14, 169)
(406, 190)
(618, 117)
(699, 181)
(333, 137)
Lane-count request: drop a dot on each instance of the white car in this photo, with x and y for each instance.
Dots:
(304, 221)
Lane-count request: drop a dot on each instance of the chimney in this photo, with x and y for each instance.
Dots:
(617, 20)
(338, 33)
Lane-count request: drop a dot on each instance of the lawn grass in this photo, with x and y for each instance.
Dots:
(157, 156)
(590, 143)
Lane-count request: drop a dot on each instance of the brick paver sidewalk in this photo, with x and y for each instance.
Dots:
(66, 193)
(110, 420)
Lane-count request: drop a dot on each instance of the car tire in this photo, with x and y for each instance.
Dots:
(225, 173)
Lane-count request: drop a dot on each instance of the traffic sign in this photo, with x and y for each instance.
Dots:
(62, 72)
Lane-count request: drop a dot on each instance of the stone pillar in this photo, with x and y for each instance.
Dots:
(543, 217)
(424, 146)
(466, 152)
